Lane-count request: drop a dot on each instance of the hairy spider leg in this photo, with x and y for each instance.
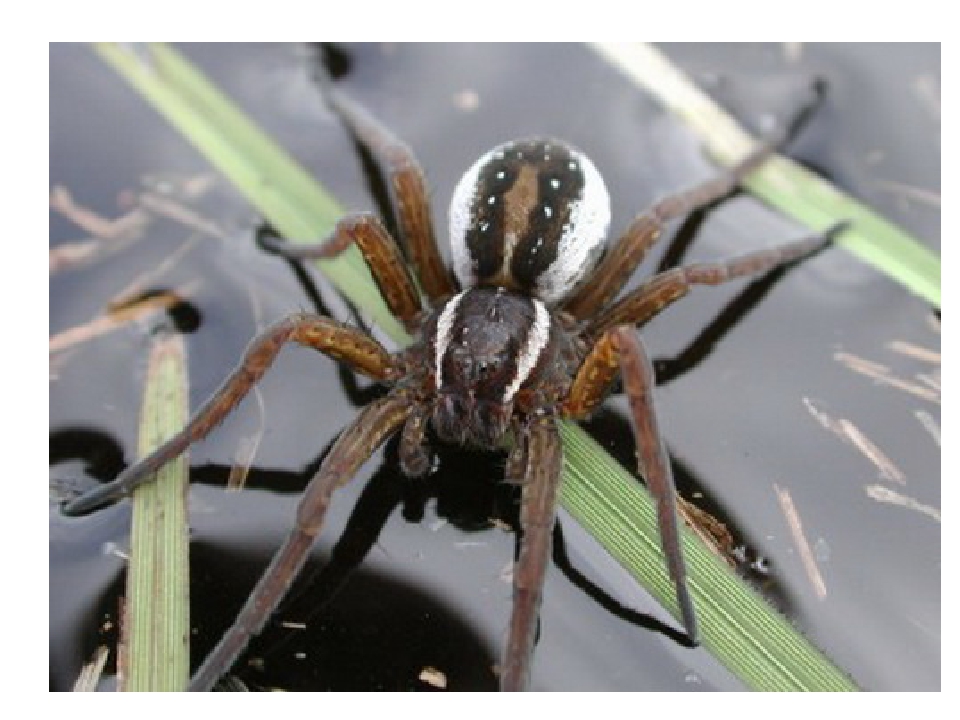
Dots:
(618, 349)
(543, 456)
(379, 250)
(412, 449)
(660, 291)
(372, 427)
(654, 463)
(348, 345)
(618, 264)
(410, 195)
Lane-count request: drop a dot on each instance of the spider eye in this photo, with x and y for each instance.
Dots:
(530, 215)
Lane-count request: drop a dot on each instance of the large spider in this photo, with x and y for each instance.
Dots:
(526, 330)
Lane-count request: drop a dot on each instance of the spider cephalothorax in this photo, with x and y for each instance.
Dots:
(525, 330)
(487, 344)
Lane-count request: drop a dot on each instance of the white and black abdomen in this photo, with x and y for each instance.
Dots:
(530, 215)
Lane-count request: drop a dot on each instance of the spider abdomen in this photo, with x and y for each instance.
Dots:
(530, 215)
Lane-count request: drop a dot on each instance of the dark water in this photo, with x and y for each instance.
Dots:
(744, 371)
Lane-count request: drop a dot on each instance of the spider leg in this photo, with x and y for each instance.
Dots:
(349, 345)
(620, 349)
(378, 248)
(639, 382)
(413, 452)
(372, 427)
(544, 459)
(663, 289)
(410, 195)
(616, 267)
(515, 468)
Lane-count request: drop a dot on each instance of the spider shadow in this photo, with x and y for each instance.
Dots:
(358, 394)
(731, 315)
(614, 431)
(610, 604)
(101, 454)
(467, 493)
(337, 596)
(350, 647)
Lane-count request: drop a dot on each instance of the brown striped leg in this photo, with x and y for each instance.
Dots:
(348, 345)
(638, 384)
(606, 282)
(544, 460)
(375, 424)
(410, 195)
(413, 452)
(660, 291)
(620, 349)
(515, 469)
(378, 248)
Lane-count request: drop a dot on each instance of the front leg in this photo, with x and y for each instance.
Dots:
(375, 424)
(541, 481)
(636, 371)
(619, 351)
(349, 345)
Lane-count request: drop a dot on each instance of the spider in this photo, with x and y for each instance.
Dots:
(526, 327)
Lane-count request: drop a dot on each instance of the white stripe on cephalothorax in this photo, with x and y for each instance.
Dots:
(537, 339)
(444, 331)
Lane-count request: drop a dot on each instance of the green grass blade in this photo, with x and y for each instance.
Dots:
(744, 632)
(156, 628)
(294, 203)
(781, 182)
(737, 626)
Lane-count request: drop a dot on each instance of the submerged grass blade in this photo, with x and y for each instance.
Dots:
(744, 632)
(155, 653)
(781, 182)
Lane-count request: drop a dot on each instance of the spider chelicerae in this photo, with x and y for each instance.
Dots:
(526, 328)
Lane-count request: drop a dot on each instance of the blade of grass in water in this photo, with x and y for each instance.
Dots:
(781, 182)
(286, 195)
(746, 634)
(155, 653)
(736, 625)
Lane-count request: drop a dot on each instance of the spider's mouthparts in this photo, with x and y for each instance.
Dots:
(463, 419)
